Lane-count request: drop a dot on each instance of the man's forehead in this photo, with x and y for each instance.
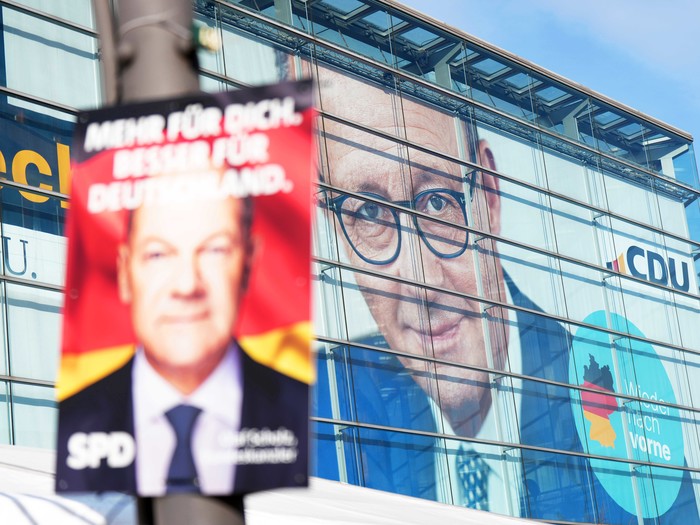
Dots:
(174, 219)
(386, 110)
(377, 163)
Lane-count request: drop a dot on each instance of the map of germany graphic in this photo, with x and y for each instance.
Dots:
(598, 407)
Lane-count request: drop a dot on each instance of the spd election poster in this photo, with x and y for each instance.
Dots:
(186, 337)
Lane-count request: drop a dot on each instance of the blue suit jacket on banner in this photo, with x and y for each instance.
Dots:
(557, 486)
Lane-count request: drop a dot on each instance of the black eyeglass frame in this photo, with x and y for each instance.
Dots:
(336, 204)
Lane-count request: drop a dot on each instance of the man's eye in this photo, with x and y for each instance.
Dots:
(436, 203)
(442, 204)
(155, 255)
(218, 249)
(369, 211)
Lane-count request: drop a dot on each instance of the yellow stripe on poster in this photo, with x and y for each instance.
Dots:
(286, 350)
(80, 371)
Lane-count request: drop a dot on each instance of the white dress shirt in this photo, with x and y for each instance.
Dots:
(220, 399)
(499, 425)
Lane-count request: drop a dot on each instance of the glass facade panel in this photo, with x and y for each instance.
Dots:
(34, 414)
(33, 317)
(35, 51)
(451, 60)
(557, 487)
(76, 11)
(333, 85)
(5, 419)
(33, 245)
(406, 287)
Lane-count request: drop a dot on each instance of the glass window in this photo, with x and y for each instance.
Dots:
(498, 83)
(511, 154)
(673, 214)
(78, 11)
(566, 174)
(5, 421)
(629, 199)
(557, 487)
(34, 413)
(246, 58)
(34, 318)
(4, 357)
(574, 231)
(325, 452)
(679, 163)
(213, 85)
(49, 61)
(398, 462)
(483, 477)
(34, 151)
(32, 243)
(380, 107)
(541, 279)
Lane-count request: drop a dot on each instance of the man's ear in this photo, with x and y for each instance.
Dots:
(490, 187)
(123, 281)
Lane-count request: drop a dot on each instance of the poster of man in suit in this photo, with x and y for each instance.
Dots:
(185, 356)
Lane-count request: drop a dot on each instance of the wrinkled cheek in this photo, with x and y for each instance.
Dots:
(378, 293)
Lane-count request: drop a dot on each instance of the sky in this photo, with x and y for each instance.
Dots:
(642, 53)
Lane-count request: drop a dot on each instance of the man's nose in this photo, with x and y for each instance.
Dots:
(187, 280)
(416, 261)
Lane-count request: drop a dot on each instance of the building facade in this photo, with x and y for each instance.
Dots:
(505, 264)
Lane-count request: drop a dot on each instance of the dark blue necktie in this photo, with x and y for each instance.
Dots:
(473, 474)
(182, 474)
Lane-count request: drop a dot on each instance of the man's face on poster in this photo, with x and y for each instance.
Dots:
(182, 271)
(411, 318)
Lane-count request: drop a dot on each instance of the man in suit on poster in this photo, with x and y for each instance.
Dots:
(402, 392)
(200, 415)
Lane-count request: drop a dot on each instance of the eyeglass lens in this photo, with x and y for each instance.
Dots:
(441, 238)
(373, 229)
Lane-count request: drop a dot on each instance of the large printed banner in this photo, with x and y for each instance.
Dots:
(186, 337)
(590, 412)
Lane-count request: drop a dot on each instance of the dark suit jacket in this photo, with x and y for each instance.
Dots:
(270, 400)
(556, 486)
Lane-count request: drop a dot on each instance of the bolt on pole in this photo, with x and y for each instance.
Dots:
(148, 51)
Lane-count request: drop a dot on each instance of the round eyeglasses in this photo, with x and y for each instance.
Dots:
(374, 230)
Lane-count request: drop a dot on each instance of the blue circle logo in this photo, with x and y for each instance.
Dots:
(623, 429)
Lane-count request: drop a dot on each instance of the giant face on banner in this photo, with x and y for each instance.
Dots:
(185, 363)
(435, 247)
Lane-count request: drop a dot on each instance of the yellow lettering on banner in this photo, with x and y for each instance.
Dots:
(19, 172)
(64, 175)
(285, 349)
(3, 166)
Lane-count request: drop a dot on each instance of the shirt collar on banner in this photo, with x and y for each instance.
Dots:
(156, 396)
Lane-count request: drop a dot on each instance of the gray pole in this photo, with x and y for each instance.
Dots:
(149, 54)
(155, 49)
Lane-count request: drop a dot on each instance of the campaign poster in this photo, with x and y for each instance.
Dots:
(185, 361)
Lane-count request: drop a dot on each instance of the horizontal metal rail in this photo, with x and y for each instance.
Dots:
(309, 38)
(500, 373)
(47, 17)
(481, 234)
(501, 444)
(493, 302)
